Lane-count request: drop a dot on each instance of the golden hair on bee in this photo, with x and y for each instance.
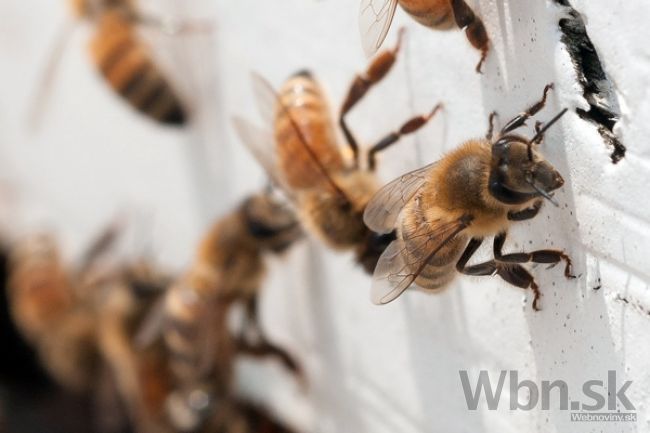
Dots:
(325, 180)
(376, 16)
(443, 211)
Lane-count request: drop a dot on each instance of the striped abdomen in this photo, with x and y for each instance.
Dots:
(126, 64)
(419, 239)
(436, 14)
(302, 95)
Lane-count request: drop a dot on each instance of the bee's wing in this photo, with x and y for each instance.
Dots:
(152, 326)
(385, 206)
(269, 103)
(375, 17)
(261, 143)
(394, 273)
(103, 243)
(266, 97)
(47, 76)
(174, 26)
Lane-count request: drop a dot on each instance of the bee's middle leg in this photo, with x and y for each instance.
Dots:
(251, 326)
(514, 274)
(265, 349)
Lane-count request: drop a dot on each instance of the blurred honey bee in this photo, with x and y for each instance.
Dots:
(304, 158)
(229, 269)
(50, 313)
(83, 322)
(375, 17)
(125, 61)
(443, 211)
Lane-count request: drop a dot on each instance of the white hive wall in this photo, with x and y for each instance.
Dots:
(373, 369)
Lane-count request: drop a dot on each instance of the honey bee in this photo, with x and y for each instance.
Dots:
(304, 158)
(443, 211)
(228, 270)
(50, 314)
(375, 17)
(125, 61)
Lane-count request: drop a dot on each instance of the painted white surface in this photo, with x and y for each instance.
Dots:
(371, 369)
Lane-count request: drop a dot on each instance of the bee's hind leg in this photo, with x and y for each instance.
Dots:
(376, 71)
(474, 28)
(408, 127)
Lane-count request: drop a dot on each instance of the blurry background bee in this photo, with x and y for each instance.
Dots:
(443, 211)
(51, 313)
(83, 323)
(124, 59)
(375, 17)
(228, 270)
(329, 187)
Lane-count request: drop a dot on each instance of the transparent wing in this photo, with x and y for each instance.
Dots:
(375, 17)
(151, 328)
(174, 26)
(104, 242)
(382, 211)
(261, 143)
(397, 270)
(47, 77)
(266, 98)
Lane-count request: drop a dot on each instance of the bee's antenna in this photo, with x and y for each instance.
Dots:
(541, 132)
(544, 194)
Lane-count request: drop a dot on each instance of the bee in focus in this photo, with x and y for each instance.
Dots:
(375, 17)
(303, 156)
(228, 270)
(443, 211)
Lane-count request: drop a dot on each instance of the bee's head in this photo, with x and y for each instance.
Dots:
(519, 173)
(270, 221)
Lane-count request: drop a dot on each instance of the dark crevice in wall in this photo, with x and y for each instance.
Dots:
(604, 109)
